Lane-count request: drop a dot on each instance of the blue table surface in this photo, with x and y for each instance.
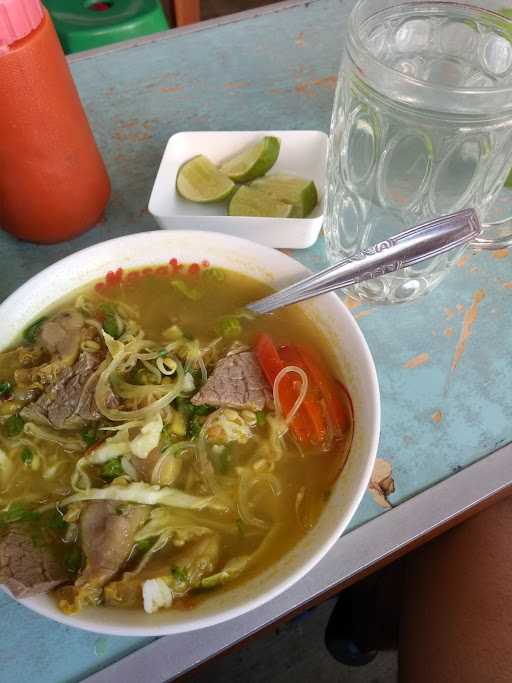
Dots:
(443, 362)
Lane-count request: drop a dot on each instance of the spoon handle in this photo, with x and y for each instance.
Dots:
(405, 249)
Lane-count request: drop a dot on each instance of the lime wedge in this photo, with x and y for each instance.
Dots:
(291, 190)
(508, 181)
(201, 181)
(254, 161)
(248, 201)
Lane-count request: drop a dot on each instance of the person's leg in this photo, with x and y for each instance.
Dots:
(456, 623)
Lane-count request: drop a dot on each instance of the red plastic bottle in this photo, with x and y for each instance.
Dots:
(53, 182)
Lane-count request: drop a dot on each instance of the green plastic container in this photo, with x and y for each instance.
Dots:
(86, 24)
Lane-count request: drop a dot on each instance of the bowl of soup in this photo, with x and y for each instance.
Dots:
(169, 461)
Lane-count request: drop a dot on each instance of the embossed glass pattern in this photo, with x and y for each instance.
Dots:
(421, 127)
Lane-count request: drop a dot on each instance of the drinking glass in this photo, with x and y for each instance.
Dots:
(421, 127)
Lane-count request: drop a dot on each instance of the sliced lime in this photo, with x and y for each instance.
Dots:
(292, 190)
(248, 201)
(254, 161)
(201, 181)
(508, 181)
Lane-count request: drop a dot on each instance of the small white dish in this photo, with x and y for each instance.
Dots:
(303, 153)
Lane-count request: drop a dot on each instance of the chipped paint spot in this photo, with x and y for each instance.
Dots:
(175, 88)
(363, 314)
(470, 318)
(449, 313)
(351, 303)
(417, 361)
(474, 269)
(278, 91)
(448, 332)
(434, 333)
(299, 40)
(500, 254)
(310, 88)
(382, 483)
(437, 416)
(507, 285)
(463, 260)
(237, 85)
(460, 307)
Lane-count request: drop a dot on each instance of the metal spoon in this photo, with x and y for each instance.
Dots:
(405, 249)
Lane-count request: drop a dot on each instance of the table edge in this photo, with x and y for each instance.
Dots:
(357, 551)
(190, 28)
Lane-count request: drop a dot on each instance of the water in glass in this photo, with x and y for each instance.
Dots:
(421, 127)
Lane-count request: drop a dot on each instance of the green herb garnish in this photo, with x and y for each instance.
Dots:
(110, 323)
(216, 274)
(230, 327)
(5, 389)
(261, 418)
(89, 435)
(194, 426)
(73, 559)
(180, 574)
(112, 469)
(31, 333)
(144, 545)
(191, 293)
(14, 425)
(222, 460)
(26, 455)
(18, 512)
(55, 520)
(203, 409)
(184, 406)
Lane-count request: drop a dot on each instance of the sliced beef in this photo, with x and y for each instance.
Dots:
(107, 537)
(236, 382)
(60, 335)
(27, 569)
(68, 403)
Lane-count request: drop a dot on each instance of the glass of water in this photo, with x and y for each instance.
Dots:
(421, 127)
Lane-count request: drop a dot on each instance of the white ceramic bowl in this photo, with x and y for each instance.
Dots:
(356, 368)
(303, 153)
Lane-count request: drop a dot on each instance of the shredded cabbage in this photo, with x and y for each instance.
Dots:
(6, 468)
(156, 594)
(140, 492)
(233, 568)
(148, 437)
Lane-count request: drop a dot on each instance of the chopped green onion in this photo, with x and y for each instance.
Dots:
(162, 353)
(5, 389)
(180, 574)
(55, 520)
(194, 427)
(215, 274)
(31, 333)
(230, 327)
(18, 512)
(26, 455)
(14, 425)
(191, 293)
(184, 406)
(89, 435)
(73, 559)
(144, 545)
(203, 409)
(112, 469)
(261, 418)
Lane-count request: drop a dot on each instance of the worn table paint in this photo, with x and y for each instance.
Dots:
(443, 362)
